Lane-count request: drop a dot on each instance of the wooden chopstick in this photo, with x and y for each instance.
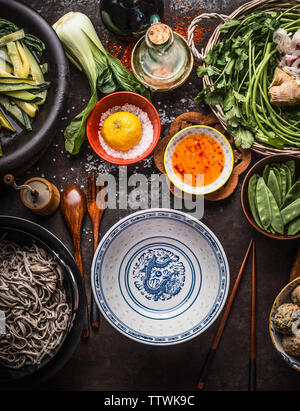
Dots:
(211, 353)
(252, 360)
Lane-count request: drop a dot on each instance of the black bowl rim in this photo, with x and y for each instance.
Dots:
(72, 340)
(244, 197)
(41, 138)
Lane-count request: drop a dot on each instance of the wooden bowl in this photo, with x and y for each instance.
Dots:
(258, 168)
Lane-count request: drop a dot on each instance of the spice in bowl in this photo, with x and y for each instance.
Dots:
(125, 131)
(198, 160)
(198, 154)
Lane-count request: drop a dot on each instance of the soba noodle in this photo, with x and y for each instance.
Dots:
(33, 300)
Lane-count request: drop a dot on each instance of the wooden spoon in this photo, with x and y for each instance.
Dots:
(73, 207)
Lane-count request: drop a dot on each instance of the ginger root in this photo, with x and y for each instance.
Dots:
(284, 90)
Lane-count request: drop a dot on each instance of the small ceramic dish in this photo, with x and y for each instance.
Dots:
(276, 337)
(258, 168)
(228, 157)
(120, 99)
(160, 277)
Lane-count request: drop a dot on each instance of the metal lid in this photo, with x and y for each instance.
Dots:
(43, 197)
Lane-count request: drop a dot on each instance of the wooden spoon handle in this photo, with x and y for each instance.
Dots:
(78, 259)
(295, 271)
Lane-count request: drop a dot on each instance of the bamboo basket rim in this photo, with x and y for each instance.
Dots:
(240, 12)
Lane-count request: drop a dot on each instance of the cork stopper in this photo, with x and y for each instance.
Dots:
(159, 34)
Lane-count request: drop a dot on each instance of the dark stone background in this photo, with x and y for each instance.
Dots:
(109, 360)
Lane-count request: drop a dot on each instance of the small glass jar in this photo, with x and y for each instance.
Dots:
(162, 59)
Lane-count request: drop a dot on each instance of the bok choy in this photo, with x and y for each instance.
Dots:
(105, 73)
(22, 85)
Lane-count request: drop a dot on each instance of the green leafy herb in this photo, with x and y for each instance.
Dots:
(241, 67)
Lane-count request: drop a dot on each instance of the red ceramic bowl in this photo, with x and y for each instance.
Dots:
(119, 99)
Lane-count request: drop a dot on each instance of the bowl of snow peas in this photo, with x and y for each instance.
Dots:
(270, 196)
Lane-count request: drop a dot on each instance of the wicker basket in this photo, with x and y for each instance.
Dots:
(241, 12)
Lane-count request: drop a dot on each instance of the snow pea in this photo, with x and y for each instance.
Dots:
(288, 176)
(292, 195)
(292, 166)
(283, 179)
(276, 219)
(263, 203)
(265, 174)
(291, 212)
(275, 165)
(294, 227)
(252, 198)
(274, 187)
(277, 174)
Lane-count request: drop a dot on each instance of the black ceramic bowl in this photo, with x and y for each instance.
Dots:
(23, 149)
(25, 232)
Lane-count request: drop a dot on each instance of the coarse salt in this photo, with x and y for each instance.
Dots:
(147, 133)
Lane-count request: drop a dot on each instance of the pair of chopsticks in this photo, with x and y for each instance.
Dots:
(212, 351)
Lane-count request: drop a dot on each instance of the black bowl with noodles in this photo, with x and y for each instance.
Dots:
(27, 233)
(22, 149)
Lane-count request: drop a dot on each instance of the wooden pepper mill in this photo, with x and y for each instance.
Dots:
(37, 194)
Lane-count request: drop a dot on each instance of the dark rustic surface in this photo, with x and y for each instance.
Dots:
(109, 360)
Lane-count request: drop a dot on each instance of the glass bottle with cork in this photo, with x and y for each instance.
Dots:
(162, 59)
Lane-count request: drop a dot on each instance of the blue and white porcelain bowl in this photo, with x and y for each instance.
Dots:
(283, 297)
(228, 160)
(160, 276)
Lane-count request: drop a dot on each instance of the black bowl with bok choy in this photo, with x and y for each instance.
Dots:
(33, 85)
